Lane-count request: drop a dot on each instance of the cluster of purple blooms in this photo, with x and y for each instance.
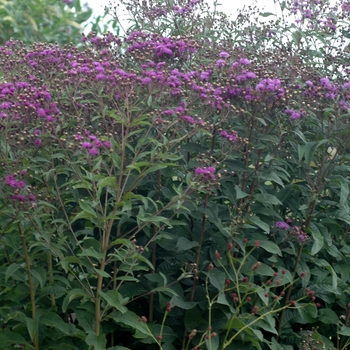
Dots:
(180, 111)
(23, 96)
(206, 173)
(328, 90)
(231, 136)
(162, 47)
(92, 144)
(16, 184)
(295, 230)
(293, 114)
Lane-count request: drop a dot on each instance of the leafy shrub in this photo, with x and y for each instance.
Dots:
(43, 21)
(183, 187)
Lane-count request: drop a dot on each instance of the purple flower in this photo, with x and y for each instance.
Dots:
(206, 173)
(146, 81)
(324, 81)
(100, 76)
(38, 142)
(98, 143)
(93, 151)
(282, 225)
(224, 54)
(294, 114)
(19, 197)
(302, 237)
(107, 144)
(21, 184)
(188, 119)
(168, 112)
(230, 136)
(50, 118)
(6, 105)
(244, 61)
(86, 145)
(162, 50)
(41, 112)
(204, 76)
(220, 63)
(46, 95)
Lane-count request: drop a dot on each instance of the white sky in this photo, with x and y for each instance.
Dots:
(229, 7)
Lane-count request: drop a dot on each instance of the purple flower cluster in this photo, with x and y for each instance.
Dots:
(11, 181)
(22, 98)
(231, 136)
(206, 173)
(92, 143)
(162, 47)
(273, 86)
(282, 225)
(18, 185)
(186, 9)
(299, 233)
(293, 114)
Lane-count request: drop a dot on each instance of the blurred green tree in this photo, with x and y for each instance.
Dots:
(60, 21)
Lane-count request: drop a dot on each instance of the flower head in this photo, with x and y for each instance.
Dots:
(282, 225)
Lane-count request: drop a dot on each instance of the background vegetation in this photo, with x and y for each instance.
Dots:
(182, 187)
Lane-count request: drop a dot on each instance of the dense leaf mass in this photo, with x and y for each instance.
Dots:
(179, 187)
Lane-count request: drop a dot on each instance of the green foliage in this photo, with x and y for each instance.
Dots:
(184, 188)
(43, 21)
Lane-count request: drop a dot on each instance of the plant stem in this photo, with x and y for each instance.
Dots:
(289, 291)
(31, 286)
(50, 267)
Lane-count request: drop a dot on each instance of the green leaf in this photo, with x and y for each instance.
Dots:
(103, 273)
(84, 215)
(91, 252)
(74, 294)
(176, 301)
(53, 320)
(267, 199)
(273, 177)
(213, 343)
(130, 319)
(270, 247)
(107, 181)
(9, 338)
(32, 326)
(257, 221)
(11, 270)
(185, 244)
(66, 261)
(317, 238)
(114, 298)
(267, 14)
(98, 342)
(217, 279)
(40, 274)
(87, 208)
(239, 193)
(310, 149)
(268, 324)
(344, 331)
(328, 316)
